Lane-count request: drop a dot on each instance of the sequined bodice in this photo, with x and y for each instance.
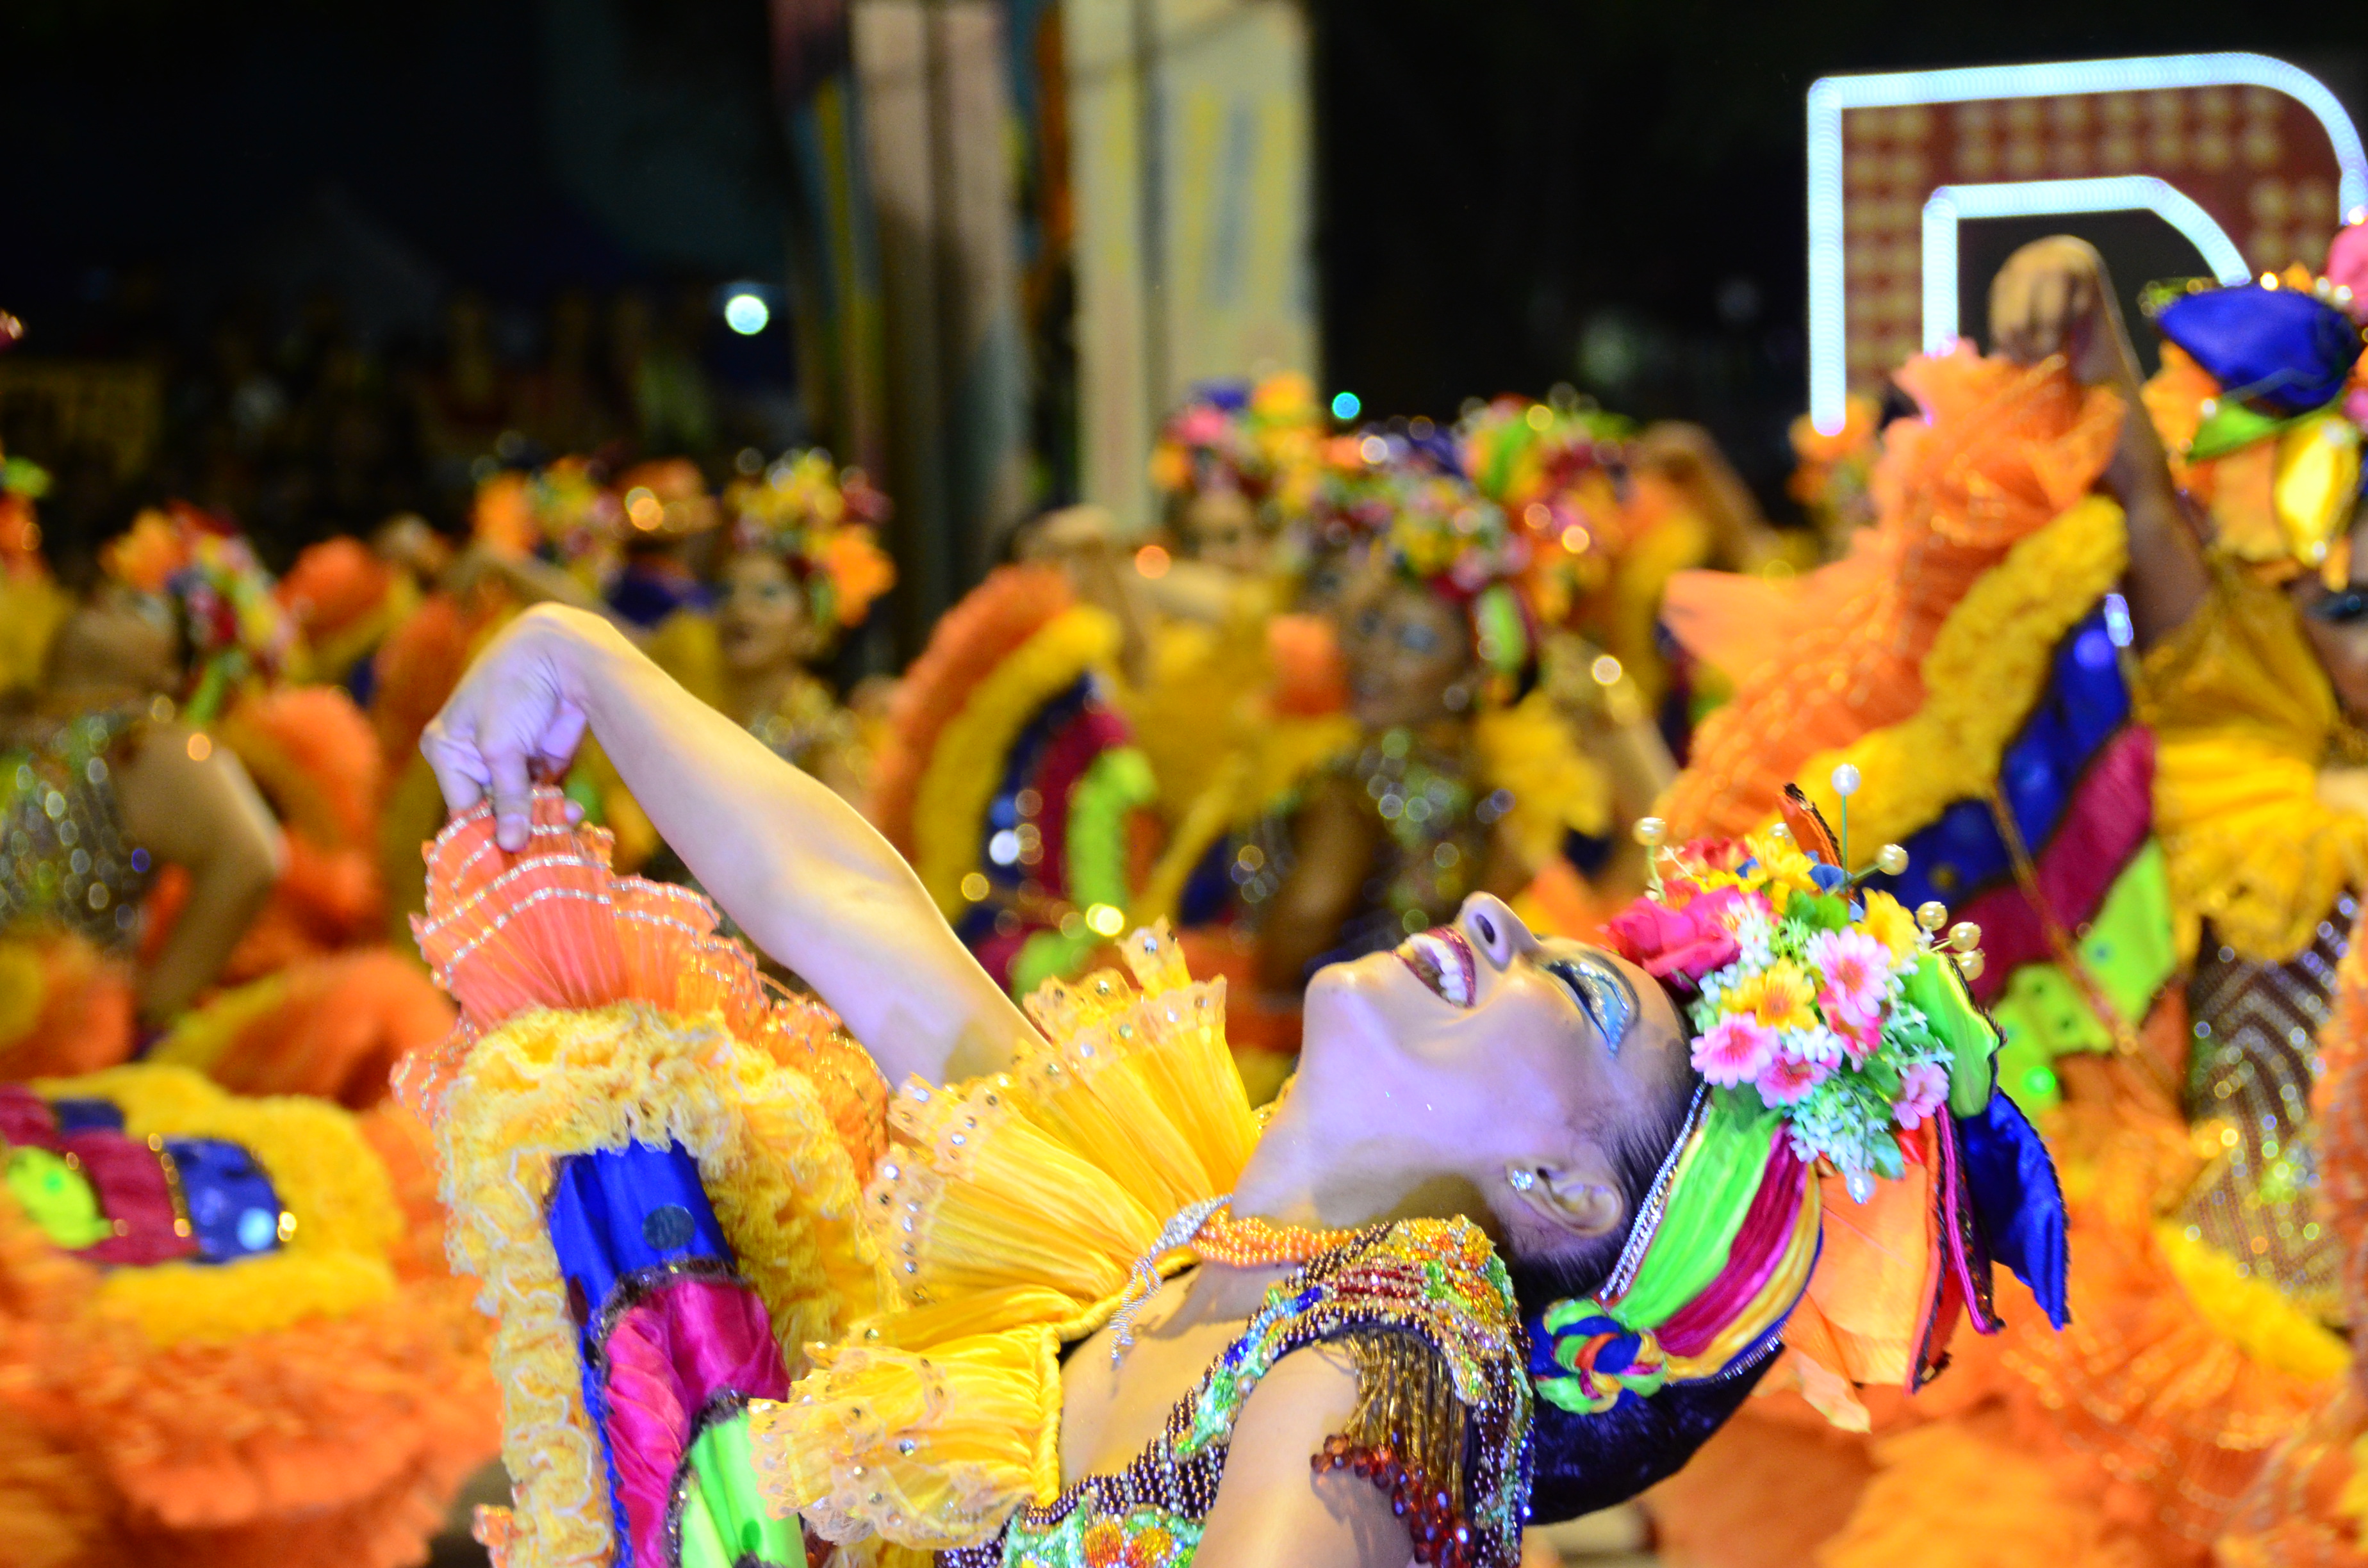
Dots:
(1427, 1315)
(2254, 1058)
(65, 860)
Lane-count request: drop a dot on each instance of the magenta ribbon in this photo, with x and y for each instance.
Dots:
(688, 1342)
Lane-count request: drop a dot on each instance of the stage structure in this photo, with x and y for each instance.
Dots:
(1189, 160)
(2252, 160)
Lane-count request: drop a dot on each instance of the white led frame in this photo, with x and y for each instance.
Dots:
(1828, 96)
(2029, 198)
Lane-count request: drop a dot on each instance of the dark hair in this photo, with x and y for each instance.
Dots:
(1587, 1463)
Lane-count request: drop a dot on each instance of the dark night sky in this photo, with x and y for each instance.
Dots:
(1497, 177)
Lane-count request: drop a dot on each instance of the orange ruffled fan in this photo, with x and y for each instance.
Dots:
(2002, 450)
(556, 926)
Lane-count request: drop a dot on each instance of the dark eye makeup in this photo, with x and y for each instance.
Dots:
(1602, 992)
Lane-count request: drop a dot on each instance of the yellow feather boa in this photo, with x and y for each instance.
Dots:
(198, 1040)
(548, 1085)
(967, 761)
(2254, 1314)
(1987, 665)
(2244, 721)
(326, 1176)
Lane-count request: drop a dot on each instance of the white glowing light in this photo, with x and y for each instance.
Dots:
(1828, 360)
(745, 314)
(2031, 197)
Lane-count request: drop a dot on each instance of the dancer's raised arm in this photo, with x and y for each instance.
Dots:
(807, 877)
(2053, 296)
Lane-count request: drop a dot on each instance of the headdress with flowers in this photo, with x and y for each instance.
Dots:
(2261, 402)
(1447, 537)
(1556, 469)
(1843, 1063)
(205, 569)
(1262, 442)
(22, 482)
(565, 512)
(823, 521)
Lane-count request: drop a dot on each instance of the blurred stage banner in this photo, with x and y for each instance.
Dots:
(935, 78)
(2251, 163)
(1189, 161)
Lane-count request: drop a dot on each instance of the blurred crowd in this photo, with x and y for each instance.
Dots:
(305, 423)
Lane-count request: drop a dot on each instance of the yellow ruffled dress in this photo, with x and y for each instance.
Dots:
(1011, 1212)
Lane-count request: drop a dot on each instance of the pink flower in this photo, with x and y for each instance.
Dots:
(1859, 1036)
(1921, 1089)
(1680, 944)
(1857, 971)
(1787, 1080)
(1736, 1049)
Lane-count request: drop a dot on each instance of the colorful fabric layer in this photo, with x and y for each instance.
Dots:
(719, 1119)
(2094, 844)
(1963, 851)
(673, 1338)
(2125, 957)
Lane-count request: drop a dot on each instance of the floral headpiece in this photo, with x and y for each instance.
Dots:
(1843, 1061)
(22, 482)
(2261, 401)
(565, 512)
(1262, 442)
(203, 566)
(821, 520)
(1445, 535)
(1556, 469)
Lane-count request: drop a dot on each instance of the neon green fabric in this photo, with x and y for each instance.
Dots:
(58, 1197)
(1936, 990)
(2130, 953)
(723, 1517)
(1716, 1179)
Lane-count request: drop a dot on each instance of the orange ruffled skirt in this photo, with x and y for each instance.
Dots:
(333, 1443)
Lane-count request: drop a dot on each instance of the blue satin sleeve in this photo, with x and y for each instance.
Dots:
(617, 1211)
(2021, 1203)
(2085, 704)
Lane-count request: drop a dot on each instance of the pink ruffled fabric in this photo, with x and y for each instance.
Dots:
(2110, 813)
(667, 1356)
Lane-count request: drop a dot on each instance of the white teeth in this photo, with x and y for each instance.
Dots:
(1446, 968)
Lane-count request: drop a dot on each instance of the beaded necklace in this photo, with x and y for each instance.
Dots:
(1212, 1234)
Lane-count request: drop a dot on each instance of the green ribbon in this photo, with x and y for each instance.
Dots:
(58, 1197)
(725, 1524)
(1716, 1178)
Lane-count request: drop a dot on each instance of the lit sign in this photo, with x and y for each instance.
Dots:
(2214, 144)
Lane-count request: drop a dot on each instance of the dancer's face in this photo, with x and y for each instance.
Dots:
(761, 621)
(1221, 528)
(1409, 652)
(1478, 1051)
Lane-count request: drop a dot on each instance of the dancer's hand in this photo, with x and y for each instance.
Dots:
(2054, 297)
(519, 711)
